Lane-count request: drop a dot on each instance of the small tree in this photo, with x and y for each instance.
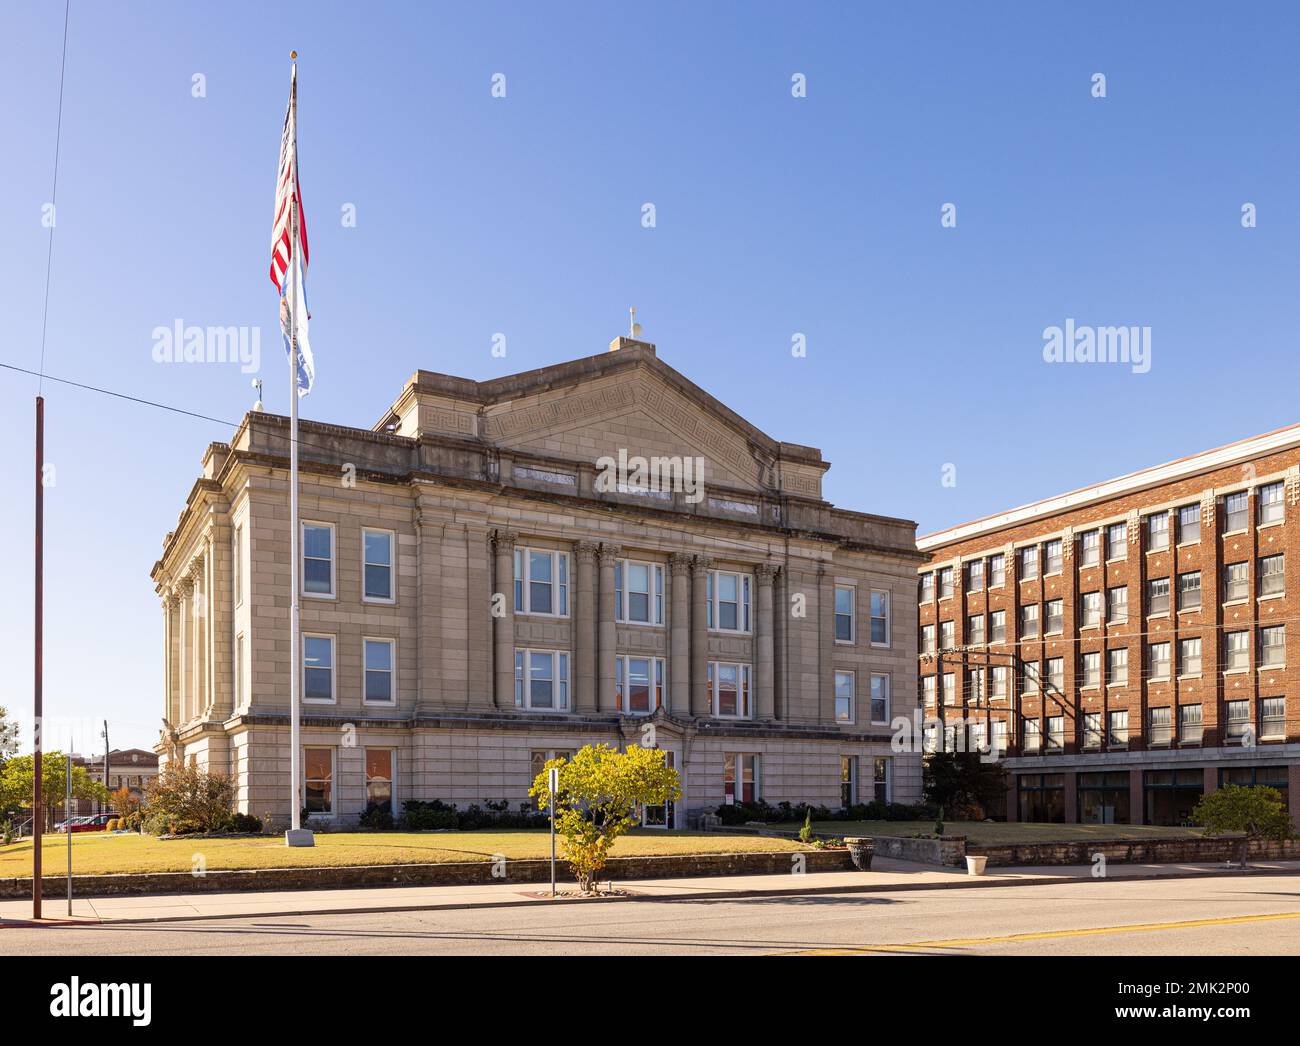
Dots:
(1256, 812)
(185, 799)
(124, 801)
(601, 791)
(17, 780)
(963, 781)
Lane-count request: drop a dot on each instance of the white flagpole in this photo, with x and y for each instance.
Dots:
(297, 836)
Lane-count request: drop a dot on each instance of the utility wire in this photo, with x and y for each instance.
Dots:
(54, 195)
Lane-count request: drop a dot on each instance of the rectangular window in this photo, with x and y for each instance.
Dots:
(237, 564)
(639, 592)
(1000, 736)
(739, 778)
(947, 635)
(1272, 646)
(1055, 609)
(1189, 657)
(1055, 733)
(639, 684)
(1189, 590)
(729, 688)
(848, 780)
(879, 697)
(925, 591)
(1090, 548)
(1236, 512)
(1158, 668)
(1029, 621)
(380, 664)
(1272, 718)
(1271, 505)
(541, 582)
(1117, 666)
(1158, 595)
(1117, 736)
(1236, 582)
(239, 670)
(997, 570)
(880, 778)
(1237, 715)
(927, 639)
(728, 600)
(975, 575)
(975, 630)
(1189, 524)
(945, 582)
(879, 617)
(1029, 563)
(1161, 729)
(1090, 669)
(1236, 651)
(845, 684)
(542, 680)
(844, 600)
(1117, 604)
(379, 779)
(1029, 676)
(318, 559)
(1090, 609)
(997, 683)
(1052, 561)
(1056, 673)
(975, 686)
(1117, 541)
(1272, 579)
(929, 686)
(318, 780)
(1092, 730)
(377, 565)
(949, 688)
(318, 668)
(998, 626)
(1190, 729)
(1033, 735)
(1158, 532)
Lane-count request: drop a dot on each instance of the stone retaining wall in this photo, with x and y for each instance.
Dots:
(948, 850)
(456, 874)
(1145, 851)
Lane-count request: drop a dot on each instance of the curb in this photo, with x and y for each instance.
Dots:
(975, 882)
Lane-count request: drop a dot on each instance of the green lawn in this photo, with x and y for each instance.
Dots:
(995, 832)
(96, 853)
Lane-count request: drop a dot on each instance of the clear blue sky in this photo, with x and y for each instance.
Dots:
(775, 215)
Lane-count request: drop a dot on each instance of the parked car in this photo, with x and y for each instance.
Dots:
(63, 826)
(95, 823)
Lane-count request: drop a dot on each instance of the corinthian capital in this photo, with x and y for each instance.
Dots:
(504, 540)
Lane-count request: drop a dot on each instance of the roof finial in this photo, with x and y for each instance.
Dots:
(634, 328)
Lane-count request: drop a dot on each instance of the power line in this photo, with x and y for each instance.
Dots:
(54, 195)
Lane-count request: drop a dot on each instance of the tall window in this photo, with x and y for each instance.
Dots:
(1158, 595)
(975, 630)
(1236, 582)
(1029, 563)
(639, 684)
(945, 582)
(379, 779)
(318, 780)
(1029, 621)
(927, 639)
(542, 680)
(949, 681)
(728, 597)
(975, 575)
(1117, 666)
(1271, 505)
(848, 780)
(1189, 657)
(1272, 718)
(1159, 661)
(1055, 733)
(1033, 735)
(1237, 715)
(879, 617)
(318, 668)
(844, 600)
(998, 626)
(1090, 548)
(1189, 524)
(729, 687)
(1190, 728)
(1161, 730)
(1158, 532)
(1052, 561)
(925, 589)
(879, 697)
(928, 684)
(997, 570)
(1055, 609)
(1189, 590)
(377, 551)
(1236, 512)
(739, 778)
(997, 683)
(639, 592)
(379, 666)
(1236, 651)
(1117, 735)
(1056, 673)
(1117, 541)
(1117, 604)
(845, 684)
(1090, 668)
(541, 582)
(1092, 730)
(1090, 608)
(946, 635)
(1272, 579)
(1030, 673)
(318, 559)
(1272, 646)
(880, 778)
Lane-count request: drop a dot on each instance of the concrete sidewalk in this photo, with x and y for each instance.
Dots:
(886, 876)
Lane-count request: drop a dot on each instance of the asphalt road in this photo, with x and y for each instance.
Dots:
(1206, 916)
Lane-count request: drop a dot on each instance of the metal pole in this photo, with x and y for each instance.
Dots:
(552, 786)
(67, 814)
(104, 807)
(38, 812)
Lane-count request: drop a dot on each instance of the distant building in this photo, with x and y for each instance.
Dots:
(133, 768)
(477, 598)
(1126, 645)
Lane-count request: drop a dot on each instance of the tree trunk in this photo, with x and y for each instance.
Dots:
(1245, 849)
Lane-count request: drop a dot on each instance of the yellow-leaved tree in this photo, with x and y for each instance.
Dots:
(599, 798)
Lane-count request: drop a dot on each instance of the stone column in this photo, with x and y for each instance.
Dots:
(584, 628)
(701, 703)
(428, 680)
(503, 620)
(201, 600)
(826, 646)
(763, 647)
(170, 643)
(185, 655)
(607, 631)
(679, 663)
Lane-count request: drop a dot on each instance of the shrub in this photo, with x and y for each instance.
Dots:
(112, 825)
(805, 833)
(243, 823)
(419, 815)
(184, 799)
(376, 816)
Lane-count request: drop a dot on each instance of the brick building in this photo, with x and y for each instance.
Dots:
(475, 600)
(1126, 645)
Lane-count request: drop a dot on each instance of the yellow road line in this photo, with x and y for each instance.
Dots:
(1047, 935)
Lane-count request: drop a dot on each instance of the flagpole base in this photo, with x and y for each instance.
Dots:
(299, 837)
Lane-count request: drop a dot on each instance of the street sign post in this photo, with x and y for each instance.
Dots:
(553, 786)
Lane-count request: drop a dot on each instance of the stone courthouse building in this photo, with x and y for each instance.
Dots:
(480, 592)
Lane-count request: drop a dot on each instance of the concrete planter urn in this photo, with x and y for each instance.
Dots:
(975, 865)
(861, 850)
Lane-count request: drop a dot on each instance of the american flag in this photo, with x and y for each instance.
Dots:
(289, 266)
